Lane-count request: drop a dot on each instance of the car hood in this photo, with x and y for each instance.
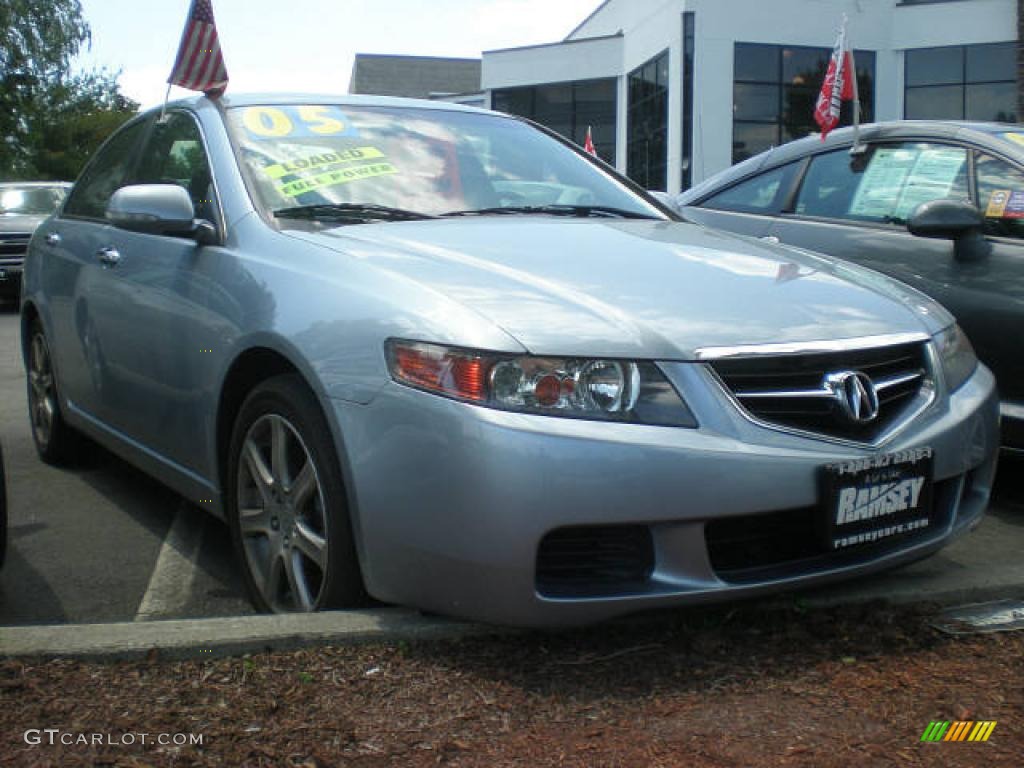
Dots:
(18, 222)
(625, 288)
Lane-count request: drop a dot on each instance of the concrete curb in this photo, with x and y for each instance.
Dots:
(983, 567)
(235, 636)
(210, 638)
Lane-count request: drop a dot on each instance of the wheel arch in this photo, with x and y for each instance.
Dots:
(248, 370)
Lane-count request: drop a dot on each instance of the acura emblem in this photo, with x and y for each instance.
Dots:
(855, 394)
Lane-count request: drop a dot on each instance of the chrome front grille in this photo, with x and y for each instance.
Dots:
(816, 392)
(12, 244)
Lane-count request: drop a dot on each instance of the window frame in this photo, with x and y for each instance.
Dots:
(220, 221)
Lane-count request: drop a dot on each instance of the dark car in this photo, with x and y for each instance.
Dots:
(964, 248)
(23, 207)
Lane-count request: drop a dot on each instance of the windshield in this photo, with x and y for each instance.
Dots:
(31, 200)
(420, 161)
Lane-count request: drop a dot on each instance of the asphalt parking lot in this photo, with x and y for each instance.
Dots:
(104, 543)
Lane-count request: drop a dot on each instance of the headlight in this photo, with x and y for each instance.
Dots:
(606, 390)
(957, 356)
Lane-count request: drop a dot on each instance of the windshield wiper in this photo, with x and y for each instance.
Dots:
(350, 212)
(582, 211)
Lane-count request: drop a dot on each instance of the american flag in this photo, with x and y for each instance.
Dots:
(199, 65)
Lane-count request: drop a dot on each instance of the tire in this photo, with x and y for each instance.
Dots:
(286, 505)
(56, 442)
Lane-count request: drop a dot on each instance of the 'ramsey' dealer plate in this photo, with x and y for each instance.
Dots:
(875, 500)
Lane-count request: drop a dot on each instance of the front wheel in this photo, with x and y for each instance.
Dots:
(286, 504)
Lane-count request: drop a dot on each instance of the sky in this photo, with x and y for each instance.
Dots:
(308, 45)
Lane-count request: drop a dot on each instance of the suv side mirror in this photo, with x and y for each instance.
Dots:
(158, 209)
(952, 220)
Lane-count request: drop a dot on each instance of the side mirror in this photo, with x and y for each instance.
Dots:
(158, 209)
(665, 199)
(951, 220)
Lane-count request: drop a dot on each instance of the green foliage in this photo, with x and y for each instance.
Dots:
(51, 120)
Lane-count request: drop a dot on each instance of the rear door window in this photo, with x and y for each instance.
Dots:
(888, 187)
(107, 173)
(764, 193)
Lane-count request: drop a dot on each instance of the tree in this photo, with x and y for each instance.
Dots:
(71, 119)
(50, 119)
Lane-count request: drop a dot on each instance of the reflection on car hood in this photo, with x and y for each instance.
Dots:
(19, 222)
(635, 288)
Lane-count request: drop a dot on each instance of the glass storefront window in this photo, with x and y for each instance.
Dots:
(568, 108)
(776, 88)
(962, 82)
(647, 129)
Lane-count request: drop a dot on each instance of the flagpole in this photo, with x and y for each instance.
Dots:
(163, 109)
(857, 148)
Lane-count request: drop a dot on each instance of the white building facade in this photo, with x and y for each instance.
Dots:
(676, 90)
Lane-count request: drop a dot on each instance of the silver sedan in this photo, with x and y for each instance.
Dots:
(440, 357)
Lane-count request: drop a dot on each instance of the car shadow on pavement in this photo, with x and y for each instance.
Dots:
(154, 506)
(24, 591)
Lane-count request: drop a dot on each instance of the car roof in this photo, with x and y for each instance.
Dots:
(981, 134)
(261, 99)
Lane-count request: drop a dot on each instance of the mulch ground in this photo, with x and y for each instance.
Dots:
(738, 686)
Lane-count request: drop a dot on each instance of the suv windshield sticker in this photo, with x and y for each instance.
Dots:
(335, 178)
(323, 160)
(933, 177)
(899, 180)
(1005, 204)
(263, 123)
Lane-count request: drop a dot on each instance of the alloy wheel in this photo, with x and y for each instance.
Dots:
(281, 516)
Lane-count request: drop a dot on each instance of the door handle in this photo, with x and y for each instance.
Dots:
(108, 257)
(771, 239)
(53, 238)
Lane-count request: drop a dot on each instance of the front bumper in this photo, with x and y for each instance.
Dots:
(451, 501)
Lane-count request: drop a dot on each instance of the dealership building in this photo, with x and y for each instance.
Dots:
(676, 90)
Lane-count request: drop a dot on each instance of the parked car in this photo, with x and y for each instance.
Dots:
(441, 356)
(966, 251)
(23, 206)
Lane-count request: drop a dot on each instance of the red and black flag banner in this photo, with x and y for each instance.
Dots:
(839, 86)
